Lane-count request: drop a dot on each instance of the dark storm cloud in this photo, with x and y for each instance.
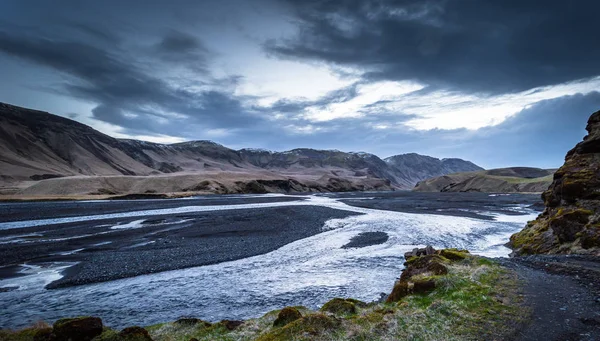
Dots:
(175, 42)
(296, 106)
(126, 93)
(471, 45)
(183, 49)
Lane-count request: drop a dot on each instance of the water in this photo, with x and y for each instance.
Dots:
(307, 272)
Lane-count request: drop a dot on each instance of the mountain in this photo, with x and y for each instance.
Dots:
(570, 222)
(412, 168)
(502, 180)
(45, 154)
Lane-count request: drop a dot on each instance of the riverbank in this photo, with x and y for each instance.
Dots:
(446, 295)
(450, 295)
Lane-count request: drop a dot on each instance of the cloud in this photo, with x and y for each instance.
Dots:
(126, 93)
(181, 48)
(469, 45)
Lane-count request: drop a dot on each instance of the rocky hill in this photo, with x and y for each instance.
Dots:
(502, 180)
(412, 168)
(571, 221)
(46, 155)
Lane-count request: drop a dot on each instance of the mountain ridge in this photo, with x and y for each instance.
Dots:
(39, 146)
(499, 180)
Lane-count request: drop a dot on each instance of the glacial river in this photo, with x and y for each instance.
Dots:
(308, 271)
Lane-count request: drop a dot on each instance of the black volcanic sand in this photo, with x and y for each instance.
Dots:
(165, 242)
(367, 239)
(472, 205)
(16, 211)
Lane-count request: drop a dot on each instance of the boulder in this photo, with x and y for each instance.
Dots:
(134, 334)
(339, 306)
(191, 321)
(231, 324)
(77, 329)
(287, 315)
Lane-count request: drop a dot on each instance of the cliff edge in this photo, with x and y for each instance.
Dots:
(570, 223)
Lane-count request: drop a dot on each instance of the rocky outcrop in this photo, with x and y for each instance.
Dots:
(570, 222)
(422, 267)
(77, 329)
(502, 180)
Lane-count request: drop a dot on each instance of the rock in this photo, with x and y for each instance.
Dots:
(339, 306)
(423, 287)
(433, 264)
(190, 321)
(309, 327)
(77, 329)
(416, 252)
(454, 254)
(44, 334)
(231, 324)
(400, 291)
(287, 315)
(134, 334)
(570, 223)
(426, 262)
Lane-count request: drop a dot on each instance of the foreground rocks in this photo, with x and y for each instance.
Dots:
(78, 329)
(570, 223)
(422, 267)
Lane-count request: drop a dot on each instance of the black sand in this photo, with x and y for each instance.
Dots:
(163, 242)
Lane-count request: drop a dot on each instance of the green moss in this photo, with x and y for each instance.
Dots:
(309, 327)
(287, 315)
(454, 254)
(339, 306)
(485, 261)
(107, 335)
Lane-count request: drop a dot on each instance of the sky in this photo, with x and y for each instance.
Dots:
(497, 82)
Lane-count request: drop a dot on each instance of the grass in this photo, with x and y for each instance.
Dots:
(477, 300)
(517, 180)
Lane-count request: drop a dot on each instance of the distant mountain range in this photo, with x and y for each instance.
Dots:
(502, 180)
(45, 154)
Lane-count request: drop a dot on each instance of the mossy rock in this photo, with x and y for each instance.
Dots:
(339, 306)
(434, 264)
(358, 303)
(423, 286)
(308, 327)
(454, 254)
(400, 291)
(536, 238)
(231, 324)
(567, 223)
(79, 328)
(191, 321)
(590, 237)
(108, 335)
(134, 334)
(286, 315)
